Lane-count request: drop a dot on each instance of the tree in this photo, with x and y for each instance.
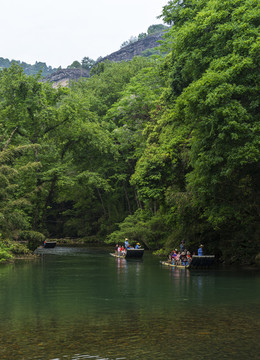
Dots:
(157, 28)
(28, 110)
(132, 40)
(13, 204)
(75, 65)
(142, 36)
(87, 63)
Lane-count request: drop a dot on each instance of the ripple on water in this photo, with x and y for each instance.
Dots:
(85, 356)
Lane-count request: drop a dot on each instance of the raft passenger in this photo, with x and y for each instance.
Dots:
(189, 258)
(183, 258)
(116, 249)
(177, 260)
(174, 254)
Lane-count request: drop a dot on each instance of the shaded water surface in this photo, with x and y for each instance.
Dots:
(81, 303)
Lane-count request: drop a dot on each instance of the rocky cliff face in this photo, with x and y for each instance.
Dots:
(64, 76)
(134, 49)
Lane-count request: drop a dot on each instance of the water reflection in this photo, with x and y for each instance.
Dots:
(124, 264)
(121, 265)
(87, 304)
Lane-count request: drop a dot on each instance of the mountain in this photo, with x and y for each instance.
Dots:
(142, 47)
(61, 77)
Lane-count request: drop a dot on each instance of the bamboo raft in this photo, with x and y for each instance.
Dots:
(174, 266)
(117, 256)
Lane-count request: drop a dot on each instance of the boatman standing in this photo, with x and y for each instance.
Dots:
(200, 250)
(126, 244)
(182, 246)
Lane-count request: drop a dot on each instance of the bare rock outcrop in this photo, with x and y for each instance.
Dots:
(134, 49)
(64, 76)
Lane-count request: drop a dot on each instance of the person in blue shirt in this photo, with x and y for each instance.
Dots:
(126, 244)
(200, 250)
(137, 246)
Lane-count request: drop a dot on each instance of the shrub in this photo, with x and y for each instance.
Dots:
(33, 238)
(19, 249)
(4, 253)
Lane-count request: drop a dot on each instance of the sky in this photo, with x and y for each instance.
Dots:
(58, 32)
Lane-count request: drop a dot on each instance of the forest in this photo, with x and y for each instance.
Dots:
(159, 149)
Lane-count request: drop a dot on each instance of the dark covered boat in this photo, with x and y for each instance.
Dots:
(134, 253)
(203, 261)
(49, 244)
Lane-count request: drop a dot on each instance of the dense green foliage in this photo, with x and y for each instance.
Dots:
(159, 149)
(214, 86)
(28, 68)
(86, 64)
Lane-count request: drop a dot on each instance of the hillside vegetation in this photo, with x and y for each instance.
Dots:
(28, 68)
(158, 149)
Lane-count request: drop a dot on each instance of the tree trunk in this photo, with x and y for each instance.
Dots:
(127, 199)
(48, 200)
(102, 202)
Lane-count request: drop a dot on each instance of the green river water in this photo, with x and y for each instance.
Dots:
(81, 303)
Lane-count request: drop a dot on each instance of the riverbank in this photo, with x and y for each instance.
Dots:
(11, 251)
(20, 250)
(91, 241)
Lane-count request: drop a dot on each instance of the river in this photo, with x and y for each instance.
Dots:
(81, 303)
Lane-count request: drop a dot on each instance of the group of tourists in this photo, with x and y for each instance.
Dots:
(121, 250)
(180, 258)
(183, 256)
